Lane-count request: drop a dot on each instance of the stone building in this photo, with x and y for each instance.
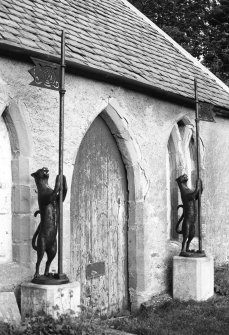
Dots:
(129, 132)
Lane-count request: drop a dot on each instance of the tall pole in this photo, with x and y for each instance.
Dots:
(198, 164)
(61, 147)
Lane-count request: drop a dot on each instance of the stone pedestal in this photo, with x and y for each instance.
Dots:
(52, 300)
(193, 278)
(9, 311)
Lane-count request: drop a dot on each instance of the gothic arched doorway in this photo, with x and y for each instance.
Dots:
(99, 221)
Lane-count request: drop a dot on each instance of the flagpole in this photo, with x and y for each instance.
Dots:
(198, 164)
(61, 145)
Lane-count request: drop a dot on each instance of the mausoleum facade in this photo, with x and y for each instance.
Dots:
(129, 133)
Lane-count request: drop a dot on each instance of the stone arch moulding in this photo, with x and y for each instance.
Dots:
(181, 159)
(180, 145)
(173, 135)
(20, 141)
(131, 159)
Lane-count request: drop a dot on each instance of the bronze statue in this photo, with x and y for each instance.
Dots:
(46, 232)
(189, 214)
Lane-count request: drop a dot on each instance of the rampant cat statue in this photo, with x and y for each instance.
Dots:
(189, 214)
(45, 235)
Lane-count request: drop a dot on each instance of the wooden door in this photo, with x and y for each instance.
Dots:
(99, 221)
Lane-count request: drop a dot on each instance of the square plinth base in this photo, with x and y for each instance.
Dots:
(9, 311)
(193, 278)
(52, 300)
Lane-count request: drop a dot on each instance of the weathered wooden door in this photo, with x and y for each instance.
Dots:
(99, 221)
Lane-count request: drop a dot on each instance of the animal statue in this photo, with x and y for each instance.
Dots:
(44, 238)
(189, 214)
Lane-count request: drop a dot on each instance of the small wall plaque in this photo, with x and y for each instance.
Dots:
(95, 270)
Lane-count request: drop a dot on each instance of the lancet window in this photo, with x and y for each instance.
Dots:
(181, 159)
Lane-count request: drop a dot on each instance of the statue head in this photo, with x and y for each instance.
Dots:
(41, 174)
(182, 179)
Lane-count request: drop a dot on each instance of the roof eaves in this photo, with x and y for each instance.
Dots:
(83, 69)
(73, 65)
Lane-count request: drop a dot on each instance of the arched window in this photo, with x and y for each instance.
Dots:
(182, 159)
(5, 195)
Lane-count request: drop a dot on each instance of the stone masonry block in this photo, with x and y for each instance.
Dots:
(135, 184)
(12, 275)
(135, 227)
(136, 214)
(9, 311)
(193, 278)
(22, 253)
(20, 171)
(52, 300)
(23, 227)
(21, 199)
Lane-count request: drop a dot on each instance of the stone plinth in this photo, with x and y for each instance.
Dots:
(9, 311)
(193, 278)
(52, 300)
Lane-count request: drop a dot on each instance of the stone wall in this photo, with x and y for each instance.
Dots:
(216, 194)
(141, 125)
(5, 195)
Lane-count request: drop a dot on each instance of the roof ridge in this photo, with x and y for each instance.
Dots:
(177, 46)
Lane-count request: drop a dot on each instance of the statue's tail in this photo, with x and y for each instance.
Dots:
(36, 213)
(36, 233)
(180, 219)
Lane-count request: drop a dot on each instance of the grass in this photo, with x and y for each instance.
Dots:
(168, 316)
(174, 317)
(164, 316)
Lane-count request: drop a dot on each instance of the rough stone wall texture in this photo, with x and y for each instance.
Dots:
(216, 194)
(5, 195)
(150, 122)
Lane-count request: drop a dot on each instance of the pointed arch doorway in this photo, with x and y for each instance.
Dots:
(99, 222)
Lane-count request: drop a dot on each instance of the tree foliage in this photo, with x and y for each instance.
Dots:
(186, 21)
(200, 26)
(216, 52)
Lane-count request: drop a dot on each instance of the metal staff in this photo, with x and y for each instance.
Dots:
(61, 145)
(198, 164)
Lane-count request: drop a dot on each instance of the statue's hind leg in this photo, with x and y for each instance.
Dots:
(185, 231)
(190, 236)
(183, 243)
(51, 253)
(188, 244)
(40, 254)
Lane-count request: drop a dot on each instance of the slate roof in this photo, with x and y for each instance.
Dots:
(107, 35)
